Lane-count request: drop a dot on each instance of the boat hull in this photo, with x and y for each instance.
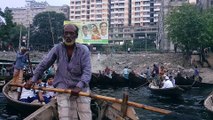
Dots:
(168, 92)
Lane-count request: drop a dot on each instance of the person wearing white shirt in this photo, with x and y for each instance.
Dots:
(167, 83)
(46, 96)
(26, 95)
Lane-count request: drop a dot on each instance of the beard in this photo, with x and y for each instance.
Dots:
(68, 42)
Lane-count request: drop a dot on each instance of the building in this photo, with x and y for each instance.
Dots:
(2, 21)
(163, 42)
(129, 20)
(205, 4)
(25, 15)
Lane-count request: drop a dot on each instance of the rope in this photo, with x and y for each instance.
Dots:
(142, 85)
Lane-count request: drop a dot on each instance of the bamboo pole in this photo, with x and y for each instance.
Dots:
(95, 96)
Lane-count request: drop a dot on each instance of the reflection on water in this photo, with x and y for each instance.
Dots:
(191, 103)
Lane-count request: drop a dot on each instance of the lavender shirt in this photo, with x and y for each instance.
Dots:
(76, 72)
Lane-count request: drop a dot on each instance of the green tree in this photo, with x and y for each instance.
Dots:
(9, 33)
(207, 36)
(185, 27)
(45, 25)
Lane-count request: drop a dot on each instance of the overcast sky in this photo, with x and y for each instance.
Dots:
(22, 3)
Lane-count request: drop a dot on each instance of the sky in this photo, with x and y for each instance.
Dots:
(22, 3)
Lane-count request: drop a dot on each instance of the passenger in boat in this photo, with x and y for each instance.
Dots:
(20, 63)
(167, 83)
(126, 72)
(155, 74)
(73, 72)
(172, 80)
(108, 72)
(146, 74)
(26, 95)
(46, 96)
(51, 70)
(162, 71)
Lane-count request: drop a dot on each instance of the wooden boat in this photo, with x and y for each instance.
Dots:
(104, 110)
(117, 80)
(208, 103)
(114, 108)
(49, 111)
(169, 92)
(22, 107)
(180, 80)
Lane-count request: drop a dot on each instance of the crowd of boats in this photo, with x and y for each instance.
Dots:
(109, 78)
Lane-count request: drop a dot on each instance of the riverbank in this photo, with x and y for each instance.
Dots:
(137, 62)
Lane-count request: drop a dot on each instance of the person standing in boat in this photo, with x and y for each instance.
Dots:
(20, 63)
(196, 73)
(73, 72)
(126, 72)
(155, 74)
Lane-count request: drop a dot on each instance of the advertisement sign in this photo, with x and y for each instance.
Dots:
(91, 32)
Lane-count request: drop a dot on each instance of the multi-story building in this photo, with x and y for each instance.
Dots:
(163, 42)
(2, 21)
(167, 5)
(25, 15)
(128, 19)
(205, 4)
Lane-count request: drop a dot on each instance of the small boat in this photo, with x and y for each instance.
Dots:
(102, 111)
(190, 81)
(22, 107)
(49, 111)
(208, 103)
(117, 80)
(169, 92)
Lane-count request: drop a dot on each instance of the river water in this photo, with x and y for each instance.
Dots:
(191, 103)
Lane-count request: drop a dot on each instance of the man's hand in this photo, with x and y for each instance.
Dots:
(28, 84)
(75, 91)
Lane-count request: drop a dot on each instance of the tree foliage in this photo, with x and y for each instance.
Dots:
(9, 33)
(185, 27)
(207, 36)
(41, 33)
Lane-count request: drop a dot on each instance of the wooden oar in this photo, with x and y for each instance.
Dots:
(95, 96)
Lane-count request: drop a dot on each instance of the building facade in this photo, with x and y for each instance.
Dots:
(163, 42)
(25, 15)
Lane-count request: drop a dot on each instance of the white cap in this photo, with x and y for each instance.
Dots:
(167, 78)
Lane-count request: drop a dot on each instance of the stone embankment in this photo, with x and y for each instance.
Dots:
(137, 62)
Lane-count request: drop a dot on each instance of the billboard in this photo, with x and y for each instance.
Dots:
(91, 32)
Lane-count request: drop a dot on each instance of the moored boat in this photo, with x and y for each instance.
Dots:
(190, 81)
(117, 80)
(168, 92)
(208, 103)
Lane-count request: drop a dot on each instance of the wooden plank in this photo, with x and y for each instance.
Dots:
(47, 112)
(130, 111)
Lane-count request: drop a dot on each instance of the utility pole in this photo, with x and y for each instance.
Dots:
(20, 37)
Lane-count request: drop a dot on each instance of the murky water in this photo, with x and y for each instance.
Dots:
(191, 103)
